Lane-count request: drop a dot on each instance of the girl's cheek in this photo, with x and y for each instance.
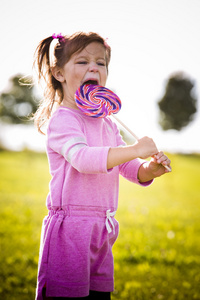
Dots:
(78, 70)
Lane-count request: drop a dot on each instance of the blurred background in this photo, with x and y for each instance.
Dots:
(154, 69)
(151, 41)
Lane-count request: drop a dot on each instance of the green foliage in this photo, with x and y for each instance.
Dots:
(157, 254)
(178, 105)
(19, 102)
(24, 181)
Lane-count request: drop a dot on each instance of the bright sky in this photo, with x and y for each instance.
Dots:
(150, 39)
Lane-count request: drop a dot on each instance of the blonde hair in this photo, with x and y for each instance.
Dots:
(63, 50)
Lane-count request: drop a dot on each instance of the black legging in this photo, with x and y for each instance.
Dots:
(92, 296)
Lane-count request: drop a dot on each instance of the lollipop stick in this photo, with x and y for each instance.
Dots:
(130, 131)
(134, 135)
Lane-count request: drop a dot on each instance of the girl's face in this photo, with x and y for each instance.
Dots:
(89, 65)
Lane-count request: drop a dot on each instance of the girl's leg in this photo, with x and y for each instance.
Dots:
(92, 296)
(99, 295)
(66, 298)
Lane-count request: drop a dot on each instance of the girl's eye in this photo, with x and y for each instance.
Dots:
(101, 64)
(82, 62)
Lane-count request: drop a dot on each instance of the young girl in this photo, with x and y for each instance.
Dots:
(86, 156)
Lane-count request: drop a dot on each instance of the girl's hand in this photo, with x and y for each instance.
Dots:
(145, 148)
(154, 168)
(157, 163)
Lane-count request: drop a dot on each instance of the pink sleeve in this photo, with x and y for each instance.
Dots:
(66, 137)
(119, 140)
(91, 160)
(130, 169)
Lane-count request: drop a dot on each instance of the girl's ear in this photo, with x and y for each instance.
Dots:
(58, 74)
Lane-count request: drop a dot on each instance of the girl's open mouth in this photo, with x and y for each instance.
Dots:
(91, 81)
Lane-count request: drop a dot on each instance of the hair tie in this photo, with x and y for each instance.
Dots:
(59, 36)
(106, 43)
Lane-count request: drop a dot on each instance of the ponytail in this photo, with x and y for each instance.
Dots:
(52, 89)
(42, 61)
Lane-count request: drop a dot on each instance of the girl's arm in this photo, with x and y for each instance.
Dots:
(144, 148)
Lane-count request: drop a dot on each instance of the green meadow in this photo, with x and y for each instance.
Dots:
(157, 254)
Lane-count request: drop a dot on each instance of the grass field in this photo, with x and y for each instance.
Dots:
(157, 254)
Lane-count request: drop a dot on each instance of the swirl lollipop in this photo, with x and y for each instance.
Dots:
(97, 101)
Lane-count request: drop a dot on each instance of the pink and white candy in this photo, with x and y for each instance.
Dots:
(97, 101)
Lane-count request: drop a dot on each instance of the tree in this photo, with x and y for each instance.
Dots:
(19, 102)
(179, 103)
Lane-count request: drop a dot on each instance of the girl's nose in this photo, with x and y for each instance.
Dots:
(93, 67)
